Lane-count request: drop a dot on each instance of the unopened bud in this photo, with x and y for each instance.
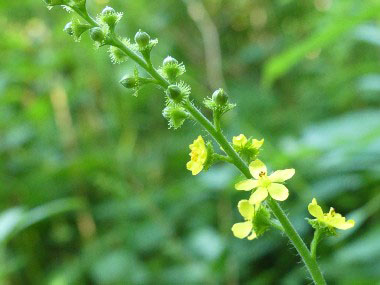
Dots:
(129, 82)
(220, 97)
(97, 34)
(142, 39)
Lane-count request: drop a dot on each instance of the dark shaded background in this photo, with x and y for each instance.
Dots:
(93, 186)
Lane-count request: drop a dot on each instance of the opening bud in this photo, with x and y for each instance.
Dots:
(97, 34)
(220, 97)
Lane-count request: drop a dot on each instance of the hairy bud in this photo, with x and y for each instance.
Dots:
(171, 69)
(109, 17)
(142, 39)
(220, 97)
(97, 34)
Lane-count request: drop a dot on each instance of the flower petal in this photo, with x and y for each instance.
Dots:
(246, 209)
(339, 222)
(239, 141)
(256, 167)
(252, 236)
(242, 230)
(194, 167)
(258, 196)
(246, 185)
(282, 175)
(315, 210)
(257, 143)
(345, 225)
(278, 191)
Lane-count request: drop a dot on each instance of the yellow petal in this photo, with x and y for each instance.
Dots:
(198, 156)
(258, 196)
(242, 230)
(257, 143)
(194, 167)
(278, 191)
(239, 141)
(256, 167)
(246, 209)
(252, 236)
(315, 210)
(246, 185)
(339, 222)
(282, 175)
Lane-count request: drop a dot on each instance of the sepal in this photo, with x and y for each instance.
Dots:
(176, 115)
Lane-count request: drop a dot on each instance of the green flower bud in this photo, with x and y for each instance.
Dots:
(220, 97)
(169, 61)
(117, 55)
(129, 82)
(174, 93)
(97, 34)
(108, 10)
(68, 28)
(171, 69)
(142, 39)
(110, 17)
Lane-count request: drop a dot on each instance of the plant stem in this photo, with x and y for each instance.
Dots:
(314, 243)
(217, 134)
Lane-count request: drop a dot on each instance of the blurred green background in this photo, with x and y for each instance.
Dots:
(93, 185)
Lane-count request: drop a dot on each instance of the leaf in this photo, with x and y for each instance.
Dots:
(282, 63)
(14, 220)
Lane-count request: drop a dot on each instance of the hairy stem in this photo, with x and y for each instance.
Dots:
(217, 134)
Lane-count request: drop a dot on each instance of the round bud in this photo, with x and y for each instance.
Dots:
(97, 34)
(128, 82)
(108, 10)
(69, 28)
(170, 61)
(142, 39)
(174, 93)
(220, 97)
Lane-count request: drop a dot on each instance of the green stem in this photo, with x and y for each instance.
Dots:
(222, 157)
(276, 225)
(217, 134)
(314, 243)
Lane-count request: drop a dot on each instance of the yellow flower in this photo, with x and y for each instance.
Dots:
(245, 229)
(198, 156)
(241, 141)
(265, 184)
(331, 218)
